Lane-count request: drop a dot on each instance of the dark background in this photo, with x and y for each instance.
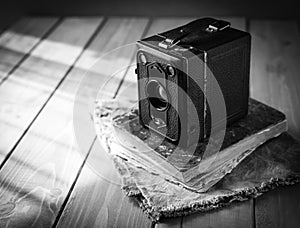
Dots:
(13, 9)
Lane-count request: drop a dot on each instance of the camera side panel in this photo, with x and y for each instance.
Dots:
(230, 65)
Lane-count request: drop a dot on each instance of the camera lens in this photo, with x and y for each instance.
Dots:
(170, 70)
(157, 95)
(143, 58)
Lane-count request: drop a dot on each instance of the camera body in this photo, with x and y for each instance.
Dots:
(173, 82)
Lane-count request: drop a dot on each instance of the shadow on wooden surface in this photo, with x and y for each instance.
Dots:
(275, 67)
(275, 80)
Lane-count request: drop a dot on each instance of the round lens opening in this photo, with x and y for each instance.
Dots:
(157, 95)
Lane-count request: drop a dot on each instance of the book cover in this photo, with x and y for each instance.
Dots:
(122, 132)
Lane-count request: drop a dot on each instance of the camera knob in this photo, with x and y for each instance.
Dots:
(143, 58)
(170, 71)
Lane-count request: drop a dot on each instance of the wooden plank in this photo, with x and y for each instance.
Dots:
(25, 92)
(237, 215)
(278, 208)
(17, 42)
(113, 209)
(37, 177)
(97, 199)
(275, 67)
(170, 222)
(274, 80)
(91, 191)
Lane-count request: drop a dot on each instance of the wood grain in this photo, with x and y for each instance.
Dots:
(237, 215)
(17, 42)
(94, 202)
(275, 81)
(103, 185)
(97, 64)
(275, 67)
(97, 199)
(37, 177)
(278, 208)
(170, 222)
(25, 92)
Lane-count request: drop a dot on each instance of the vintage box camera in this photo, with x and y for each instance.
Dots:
(176, 62)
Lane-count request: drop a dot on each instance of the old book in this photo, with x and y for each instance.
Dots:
(197, 169)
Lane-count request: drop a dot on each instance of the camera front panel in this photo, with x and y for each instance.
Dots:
(158, 81)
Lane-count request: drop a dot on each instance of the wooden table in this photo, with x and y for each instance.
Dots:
(45, 181)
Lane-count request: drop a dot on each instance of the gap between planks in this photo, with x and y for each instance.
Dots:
(18, 42)
(29, 172)
(28, 81)
(135, 34)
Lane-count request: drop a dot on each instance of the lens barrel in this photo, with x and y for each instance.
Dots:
(157, 95)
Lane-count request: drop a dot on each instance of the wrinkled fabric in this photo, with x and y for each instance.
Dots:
(276, 163)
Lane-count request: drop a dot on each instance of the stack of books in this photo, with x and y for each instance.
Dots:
(123, 134)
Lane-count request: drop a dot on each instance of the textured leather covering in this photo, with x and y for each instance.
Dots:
(227, 58)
